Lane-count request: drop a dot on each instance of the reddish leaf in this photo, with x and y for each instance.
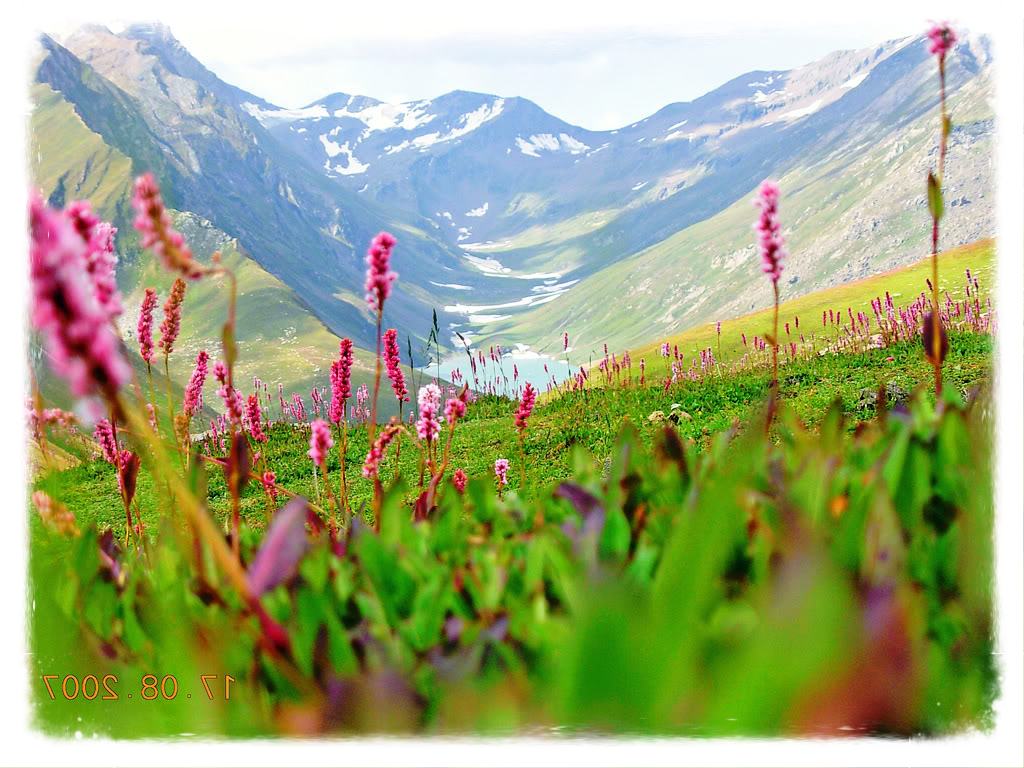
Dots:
(129, 474)
(281, 550)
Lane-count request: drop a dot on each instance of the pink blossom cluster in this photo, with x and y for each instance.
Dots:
(345, 360)
(317, 396)
(454, 409)
(79, 336)
(459, 480)
(770, 230)
(501, 471)
(269, 481)
(376, 452)
(232, 403)
(100, 260)
(525, 407)
(104, 435)
(171, 325)
(392, 361)
(194, 389)
(254, 419)
(666, 350)
(379, 276)
(320, 441)
(941, 38)
(145, 327)
(427, 426)
(54, 514)
(158, 235)
(38, 419)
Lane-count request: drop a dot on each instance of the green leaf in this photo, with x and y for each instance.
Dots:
(934, 196)
(99, 606)
(309, 610)
(614, 542)
(339, 647)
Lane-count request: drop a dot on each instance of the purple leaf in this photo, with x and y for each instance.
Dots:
(586, 503)
(281, 549)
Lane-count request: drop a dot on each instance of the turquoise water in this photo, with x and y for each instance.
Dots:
(531, 369)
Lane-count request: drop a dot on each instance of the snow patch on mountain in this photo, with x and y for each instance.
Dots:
(796, 114)
(332, 148)
(384, 116)
(546, 141)
(478, 211)
(353, 165)
(765, 84)
(677, 125)
(854, 81)
(269, 117)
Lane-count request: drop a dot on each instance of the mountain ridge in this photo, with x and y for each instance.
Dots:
(513, 223)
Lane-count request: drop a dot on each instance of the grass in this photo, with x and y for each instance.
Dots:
(845, 219)
(903, 284)
(591, 419)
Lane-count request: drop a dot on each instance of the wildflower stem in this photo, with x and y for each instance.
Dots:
(936, 339)
(522, 464)
(775, 339)
(376, 384)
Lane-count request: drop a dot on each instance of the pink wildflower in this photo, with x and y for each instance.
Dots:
(82, 343)
(392, 361)
(252, 415)
(220, 372)
(269, 480)
(459, 480)
(565, 341)
(158, 235)
(376, 453)
(99, 259)
(525, 407)
(770, 231)
(941, 39)
(152, 415)
(194, 390)
(666, 350)
(145, 327)
(104, 435)
(345, 369)
(501, 471)
(429, 397)
(232, 402)
(336, 410)
(171, 326)
(454, 409)
(379, 276)
(320, 441)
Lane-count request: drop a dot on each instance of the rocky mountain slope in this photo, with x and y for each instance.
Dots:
(515, 225)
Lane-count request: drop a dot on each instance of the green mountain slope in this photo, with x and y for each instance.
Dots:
(282, 341)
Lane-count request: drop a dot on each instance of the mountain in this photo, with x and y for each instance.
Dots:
(145, 96)
(516, 225)
(593, 214)
(281, 340)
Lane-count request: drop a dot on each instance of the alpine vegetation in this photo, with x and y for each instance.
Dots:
(760, 526)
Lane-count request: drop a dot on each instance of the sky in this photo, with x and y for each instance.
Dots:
(596, 76)
(594, 79)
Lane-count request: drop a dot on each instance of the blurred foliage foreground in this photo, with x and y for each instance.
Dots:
(824, 585)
